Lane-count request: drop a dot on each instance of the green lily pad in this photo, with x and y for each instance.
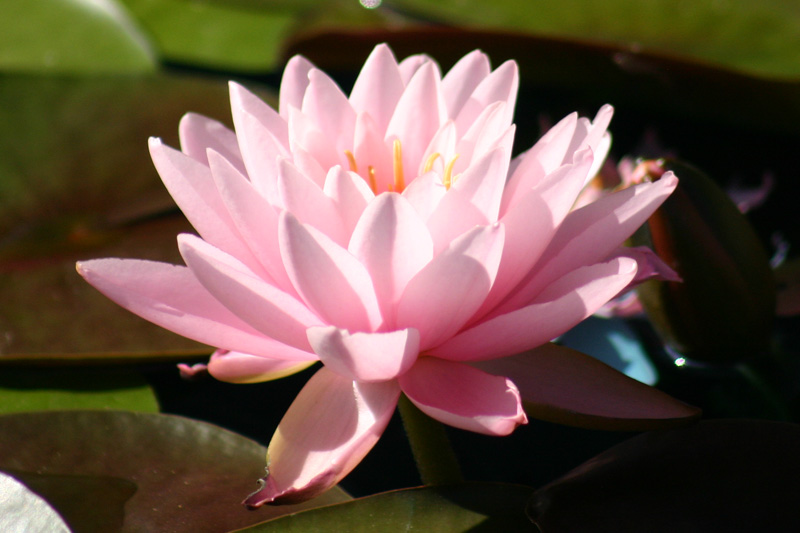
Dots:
(187, 475)
(754, 37)
(213, 34)
(71, 36)
(718, 475)
(76, 182)
(47, 389)
(470, 507)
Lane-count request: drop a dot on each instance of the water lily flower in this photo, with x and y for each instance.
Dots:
(389, 235)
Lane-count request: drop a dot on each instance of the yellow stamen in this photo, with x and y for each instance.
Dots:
(399, 183)
(351, 159)
(448, 178)
(430, 161)
(373, 183)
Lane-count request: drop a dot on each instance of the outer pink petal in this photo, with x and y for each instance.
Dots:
(306, 201)
(293, 84)
(328, 105)
(171, 297)
(192, 187)
(464, 397)
(237, 367)
(253, 216)
(561, 385)
(366, 357)
(460, 82)
(263, 306)
(244, 100)
(420, 113)
(445, 293)
(328, 278)
(500, 86)
(198, 134)
(332, 424)
(378, 87)
(560, 307)
(393, 243)
(650, 266)
(261, 150)
(591, 233)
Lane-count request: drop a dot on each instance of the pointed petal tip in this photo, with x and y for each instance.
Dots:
(269, 493)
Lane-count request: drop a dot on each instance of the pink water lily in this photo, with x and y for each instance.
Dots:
(390, 236)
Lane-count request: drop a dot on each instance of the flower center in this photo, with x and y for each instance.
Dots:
(398, 183)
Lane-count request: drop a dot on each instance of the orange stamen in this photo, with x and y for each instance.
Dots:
(399, 182)
(430, 161)
(351, 159)
(373, 183)
(448, 179)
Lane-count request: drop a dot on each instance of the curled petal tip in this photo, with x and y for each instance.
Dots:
(269, 493)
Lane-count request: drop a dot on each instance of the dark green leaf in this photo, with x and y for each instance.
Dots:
(754, 37)
(188, 475)
(473, 507)
(76, 182)
(720, 475)
(71, 36)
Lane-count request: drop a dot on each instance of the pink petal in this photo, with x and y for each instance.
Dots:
(332, 424)
(198, 134)
(261, 150)
(445, 293)
(453, 216)
(328, 278)
(460, 82)
(443, 143)
(650, 266)
(370, 150)
(425, 193)
(171, 297)
(562, 385)
(499, 86)
(305, 135)
(464, 397)
(237, 367)
(260, 304)
(393, 243)
(484, 132)
(365, 357)
(482, 183)
(410, 65)
(247, 102)
(254, 217)
(306, 201)
(378, 87)
(293, 84)
(591, 233)
(350, 196)
(558, 308)
(192, 187)
(328, 105)
(420, 112)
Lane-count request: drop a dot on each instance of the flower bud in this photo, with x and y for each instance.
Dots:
(723, 310)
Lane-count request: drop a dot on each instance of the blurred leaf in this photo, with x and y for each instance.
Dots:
(755, 37)
(577, 71)
(48, 389)
(561, 385)
(213, 35)
(188, 475)
(71, 36)
(723, 310)
(719, 475)
(76, 182)
(473, 507)
(23, 510)
(787, 278)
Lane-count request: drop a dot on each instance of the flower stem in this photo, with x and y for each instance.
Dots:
(432, 451)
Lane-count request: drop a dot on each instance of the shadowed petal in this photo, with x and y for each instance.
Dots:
(171, 297)
(367, 357)
(332, 424)
(445, 293)
(565, 386)
(328, 278)
(464, 397)
(561, 306)
(237, 367)
(263, 306)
